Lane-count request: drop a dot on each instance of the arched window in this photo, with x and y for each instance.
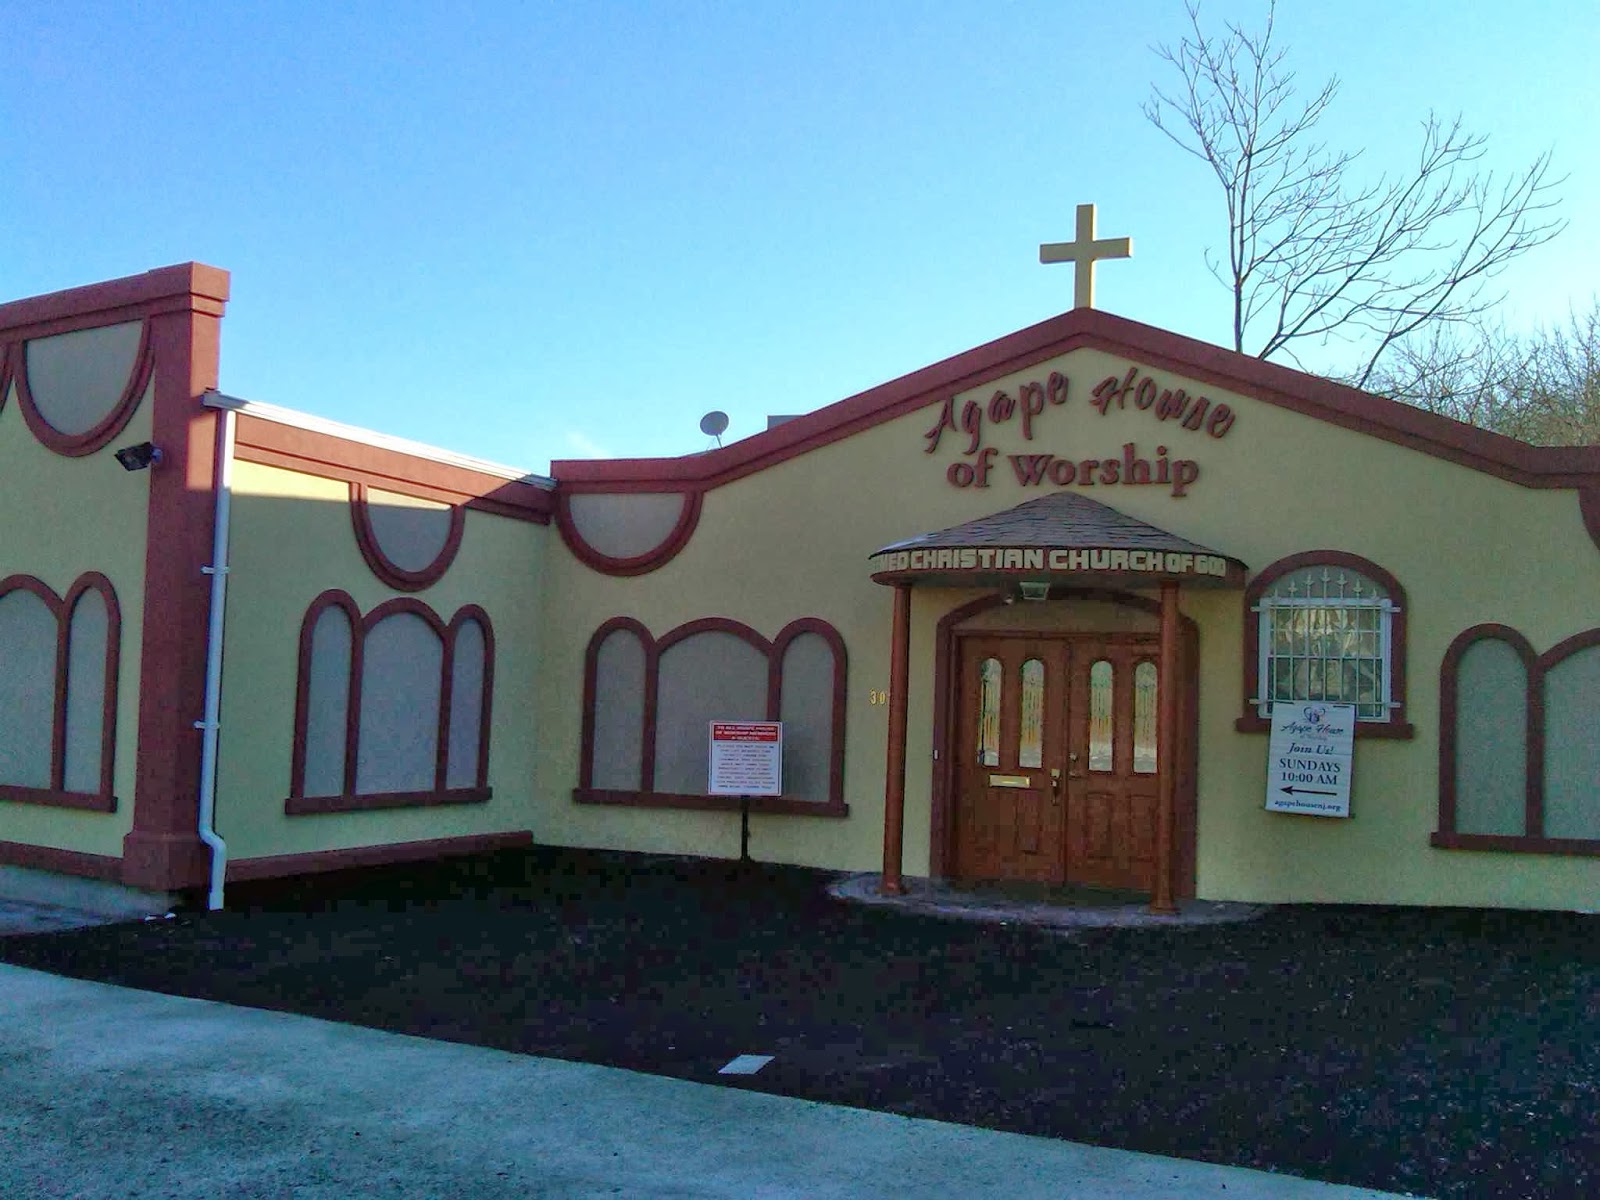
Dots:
(58, 692)
(1030, 724)
(1145, 735)
(393, 707)
(1330, 626)
(1519, 762)
(648, 702)
(990, 681)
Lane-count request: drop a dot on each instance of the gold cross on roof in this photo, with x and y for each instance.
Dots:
(1084, 251)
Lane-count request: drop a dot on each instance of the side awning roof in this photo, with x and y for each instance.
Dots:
(1063, 538)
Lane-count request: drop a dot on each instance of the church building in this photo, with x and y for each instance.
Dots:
(1092, 603)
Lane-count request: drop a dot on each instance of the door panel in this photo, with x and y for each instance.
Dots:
(1009, 818)
(1112, 793)
(1055, 759)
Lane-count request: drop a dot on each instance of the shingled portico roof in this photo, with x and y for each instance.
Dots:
(1061, 538)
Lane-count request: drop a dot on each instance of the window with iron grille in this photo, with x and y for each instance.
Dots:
(1329, 626)
(1325, 636)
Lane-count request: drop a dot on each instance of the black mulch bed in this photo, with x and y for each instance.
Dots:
(1445, 1052)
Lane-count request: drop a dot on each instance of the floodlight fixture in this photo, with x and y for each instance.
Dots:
(1034, 590)
(139, 456)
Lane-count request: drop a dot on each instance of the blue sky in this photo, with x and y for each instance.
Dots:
(536, 231)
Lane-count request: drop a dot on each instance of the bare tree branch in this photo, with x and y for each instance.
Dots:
(1314, 257)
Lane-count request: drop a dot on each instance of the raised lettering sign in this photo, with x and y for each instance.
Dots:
(1054, 468)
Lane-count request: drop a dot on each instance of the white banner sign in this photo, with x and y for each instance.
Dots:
(746, 758)
(1308, 758)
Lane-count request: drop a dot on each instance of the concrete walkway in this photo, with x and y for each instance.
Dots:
(20, 916)
(1043, 907)
(108, 1092)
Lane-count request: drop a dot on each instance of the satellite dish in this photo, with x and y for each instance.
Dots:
(714, 423)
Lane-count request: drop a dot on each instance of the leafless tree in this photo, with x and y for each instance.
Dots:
(1314, 256)
(1556, 399)
(1543, 388)
(1466, 370)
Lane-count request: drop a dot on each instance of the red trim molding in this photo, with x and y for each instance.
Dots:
(1376, 416)
(312, 453)
(56, 796)
(946, 685)
(1395, 726)
(77, 445)
(639, 564)
(1589, 507)
(782, 806)
(385, 568)
(773, 651)
(186, 287)
(301, 806)
(276, 866)
(67, 862)
(349, 799)
(1535, 667)
(1515, 844)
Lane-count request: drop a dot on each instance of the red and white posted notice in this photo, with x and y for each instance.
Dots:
(746, 758)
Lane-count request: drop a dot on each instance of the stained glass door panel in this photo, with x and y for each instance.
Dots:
(1010, 756)
(1113, 782)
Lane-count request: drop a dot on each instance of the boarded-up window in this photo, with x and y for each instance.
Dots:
(806, 710)
(401, 668)
(1520, 754)
(468, 663)
(421, 693)
(650, 703)
(58, 691)
(28, 633)
(88, 626)
(1572, 746)
(327, 704)
(618, 714)
(1491, 739)
(707, 676)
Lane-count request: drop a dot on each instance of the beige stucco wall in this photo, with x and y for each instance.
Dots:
(292, 539)
(793, 541)
(62, 517)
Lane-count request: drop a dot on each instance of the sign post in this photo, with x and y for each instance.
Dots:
(745, 760)
(1309, 757)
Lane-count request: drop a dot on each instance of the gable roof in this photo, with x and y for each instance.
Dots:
(1377, 416)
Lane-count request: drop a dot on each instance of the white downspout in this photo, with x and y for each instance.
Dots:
(208, 726)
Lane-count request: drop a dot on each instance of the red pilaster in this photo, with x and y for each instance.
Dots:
(163, 851)
(894, 787)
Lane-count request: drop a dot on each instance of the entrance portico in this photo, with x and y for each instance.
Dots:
(1060, 752)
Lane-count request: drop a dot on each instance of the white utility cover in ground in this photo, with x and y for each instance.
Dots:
(745, 1064)
(1309, 756)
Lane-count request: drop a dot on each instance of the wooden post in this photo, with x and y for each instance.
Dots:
(894, 787)
(1166, 750)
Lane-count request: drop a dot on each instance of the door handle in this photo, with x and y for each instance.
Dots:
(1055, 781)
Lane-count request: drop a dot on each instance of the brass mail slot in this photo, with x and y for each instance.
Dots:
(1021, 781)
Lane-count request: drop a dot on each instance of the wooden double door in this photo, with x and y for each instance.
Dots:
(1056, 769)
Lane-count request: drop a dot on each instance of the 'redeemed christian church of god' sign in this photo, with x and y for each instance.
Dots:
(1090, 603)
